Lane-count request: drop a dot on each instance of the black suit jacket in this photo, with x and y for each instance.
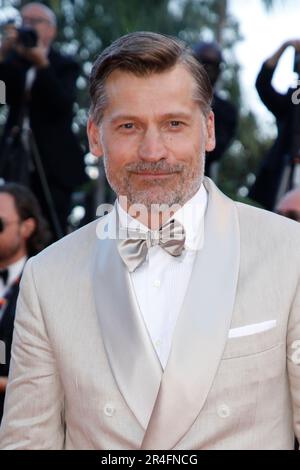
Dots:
(51, 111)
(226, 119)
(6, 333)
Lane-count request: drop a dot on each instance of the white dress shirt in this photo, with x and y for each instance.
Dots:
(14, 271)
(160, 283)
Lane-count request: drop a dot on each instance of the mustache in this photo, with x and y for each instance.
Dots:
(153, 167)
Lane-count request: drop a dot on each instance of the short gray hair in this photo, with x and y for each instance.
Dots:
(143, 53)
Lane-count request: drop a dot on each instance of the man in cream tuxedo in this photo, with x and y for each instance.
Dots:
(189, 340)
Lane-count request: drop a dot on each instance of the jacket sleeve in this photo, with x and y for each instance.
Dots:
(33, 412)
(293, 360)
(277, 103)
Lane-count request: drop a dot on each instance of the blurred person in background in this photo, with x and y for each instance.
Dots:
(210, 56)
(276, 173)
(41, 84)
(23, 233)
(289, 206)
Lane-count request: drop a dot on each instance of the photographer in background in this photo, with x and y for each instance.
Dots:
(41, 84)
(209, 54)
(276, 174)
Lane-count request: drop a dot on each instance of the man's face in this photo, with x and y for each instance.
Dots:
(12, 238)
(37, 18)
(153, 137)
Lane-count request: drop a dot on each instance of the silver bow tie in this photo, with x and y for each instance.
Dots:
(133, 249)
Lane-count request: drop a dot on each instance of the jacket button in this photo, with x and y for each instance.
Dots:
(109, 410)
(224, 411)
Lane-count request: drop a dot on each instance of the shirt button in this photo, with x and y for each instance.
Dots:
(158, 343)
(157, 283)
(109, 410)
(224, 411)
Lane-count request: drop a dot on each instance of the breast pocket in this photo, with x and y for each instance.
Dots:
(252, 339)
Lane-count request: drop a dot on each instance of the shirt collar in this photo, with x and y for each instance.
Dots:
(191, 216)
(15, 270)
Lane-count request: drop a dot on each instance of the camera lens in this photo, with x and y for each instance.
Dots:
(27, 37)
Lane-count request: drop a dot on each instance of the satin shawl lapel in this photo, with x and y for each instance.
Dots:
(133, 361)
(202, 327)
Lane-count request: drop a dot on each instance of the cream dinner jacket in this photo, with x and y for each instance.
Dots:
(84, 374)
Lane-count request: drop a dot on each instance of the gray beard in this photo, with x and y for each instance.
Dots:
(177, 196)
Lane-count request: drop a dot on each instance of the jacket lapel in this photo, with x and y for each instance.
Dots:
(129, 349)
(202, 327)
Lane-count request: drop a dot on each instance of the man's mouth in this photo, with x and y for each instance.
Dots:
(153, 174)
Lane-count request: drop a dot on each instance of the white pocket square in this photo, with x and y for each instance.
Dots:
(252, 329)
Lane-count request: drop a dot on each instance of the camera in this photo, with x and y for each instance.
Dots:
(27, 37)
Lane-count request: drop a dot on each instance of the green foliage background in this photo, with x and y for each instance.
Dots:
(87, 26)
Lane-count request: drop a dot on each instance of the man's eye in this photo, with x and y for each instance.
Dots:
(127, 125)
(175, 123)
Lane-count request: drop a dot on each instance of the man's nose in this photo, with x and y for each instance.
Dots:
(152, 146)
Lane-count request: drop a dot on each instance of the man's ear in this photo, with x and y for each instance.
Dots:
(28, 227)
(93, 133)
(211, 139)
